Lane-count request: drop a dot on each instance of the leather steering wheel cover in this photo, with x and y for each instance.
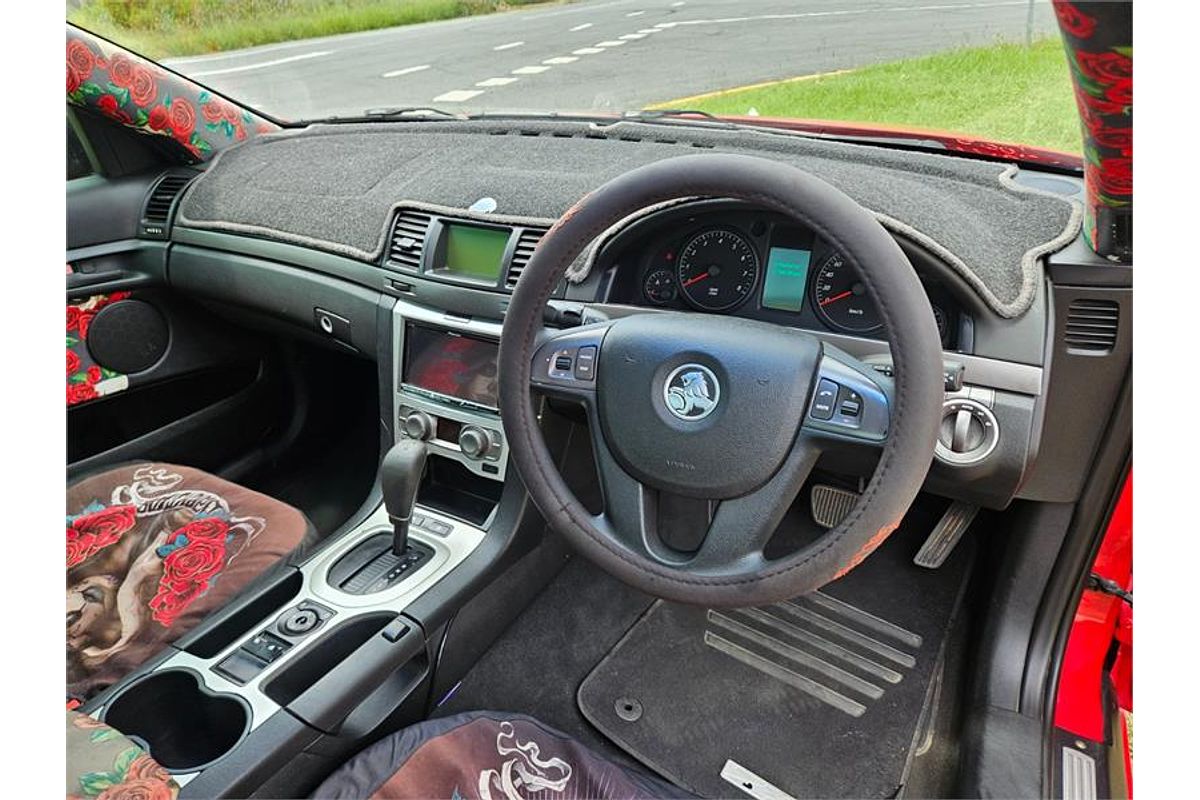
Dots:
(908, 322)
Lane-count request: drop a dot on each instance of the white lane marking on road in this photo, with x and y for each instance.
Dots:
(529, 70)
(632, 36)
(396, 73)
(560, 60)
(457, 96)
(508, 46)
(497, 82)
(635, 13)
(260, 64)
(845, 13)
(649, 30)
(587, 51)
(581, 27)
(609, 43)
(678, 3)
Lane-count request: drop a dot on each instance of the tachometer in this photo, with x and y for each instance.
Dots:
(718, 270)
(842, 299)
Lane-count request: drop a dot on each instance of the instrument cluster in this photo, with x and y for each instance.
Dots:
(759, 265)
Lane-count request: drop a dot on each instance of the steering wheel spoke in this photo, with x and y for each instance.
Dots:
(564, 363)
(851, 402)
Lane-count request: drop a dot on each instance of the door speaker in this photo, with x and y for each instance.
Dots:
(128, 336)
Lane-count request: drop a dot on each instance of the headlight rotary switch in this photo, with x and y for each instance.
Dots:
(968, 434)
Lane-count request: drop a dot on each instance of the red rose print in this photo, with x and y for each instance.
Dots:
(115, 296)
(212, 111)
(239, 133)
(159, 119)
(207, 528)
(146, 767)
(144, 88)
(183, 118)
(80, 58)
(72, 317)
(72, 362)
(108, 104)
(93, 374)
(120, 70)
(1102, 105)
(73, 81)
(85, 319)
(1105, 67)
(138, 789)
(78, 392)
(199, 560)
(106, 525)
(233, 114)
(1121, 92)
(1115, 176)
(1115, 139)
(1074, 21)
(79, 548)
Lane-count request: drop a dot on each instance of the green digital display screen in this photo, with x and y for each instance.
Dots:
(476, 253)
(787, 276)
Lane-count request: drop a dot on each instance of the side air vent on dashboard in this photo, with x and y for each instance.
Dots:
(527, 242)
(159, 203)
(408, 239)
(1091, 327)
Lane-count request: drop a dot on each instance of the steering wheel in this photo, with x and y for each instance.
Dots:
(705, 427)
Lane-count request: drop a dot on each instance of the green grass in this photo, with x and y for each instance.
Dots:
(1005, 92)
(161, 28)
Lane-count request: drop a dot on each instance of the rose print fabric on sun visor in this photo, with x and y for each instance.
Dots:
(151, 550)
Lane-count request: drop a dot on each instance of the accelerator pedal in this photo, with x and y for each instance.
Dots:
(830, 505)
(945, 535)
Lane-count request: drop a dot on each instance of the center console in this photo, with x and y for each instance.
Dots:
(333, 648)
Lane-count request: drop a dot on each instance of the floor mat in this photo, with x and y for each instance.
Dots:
(536, 666)
(821, 696)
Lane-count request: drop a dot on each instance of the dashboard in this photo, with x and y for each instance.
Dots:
(723, 258)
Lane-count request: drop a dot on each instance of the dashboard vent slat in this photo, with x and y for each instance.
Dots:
(527, 242)
(408, 239)
(162, 198)
(1092, 327)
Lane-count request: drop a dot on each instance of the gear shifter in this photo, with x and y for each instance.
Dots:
(400, 477)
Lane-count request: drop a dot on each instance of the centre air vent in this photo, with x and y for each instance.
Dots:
(1091, 327)
(159, 203)
(408, 239)
(527, 242)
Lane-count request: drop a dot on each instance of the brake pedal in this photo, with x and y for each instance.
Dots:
(945, 535)
(830, 505)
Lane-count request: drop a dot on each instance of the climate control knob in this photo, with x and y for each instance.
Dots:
(416, 425)
(474, 442)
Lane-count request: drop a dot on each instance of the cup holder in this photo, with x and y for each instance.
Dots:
(184, 724)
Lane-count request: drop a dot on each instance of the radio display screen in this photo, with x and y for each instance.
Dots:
(450, 364)
(475, 253)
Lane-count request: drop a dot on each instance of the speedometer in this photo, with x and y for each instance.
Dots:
(718, 270)
(842, 299)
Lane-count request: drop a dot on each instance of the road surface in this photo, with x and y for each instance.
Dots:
(609, 55)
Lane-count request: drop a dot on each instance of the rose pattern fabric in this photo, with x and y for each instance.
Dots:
(151, 550)
(142, 95)
(1100, 55)
(86, 380)
(104, 765)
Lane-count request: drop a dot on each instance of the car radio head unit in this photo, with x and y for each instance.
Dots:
(451, 365)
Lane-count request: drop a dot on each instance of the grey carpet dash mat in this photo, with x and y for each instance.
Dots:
(334, 187)
(821, 696)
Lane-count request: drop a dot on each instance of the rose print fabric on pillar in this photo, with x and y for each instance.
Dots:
(143, 95)
(1098, 39)
(87, 380)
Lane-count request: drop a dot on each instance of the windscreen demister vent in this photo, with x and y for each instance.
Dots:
(160, 202)
(408, 239)
(527, 242)
(1092, 327)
